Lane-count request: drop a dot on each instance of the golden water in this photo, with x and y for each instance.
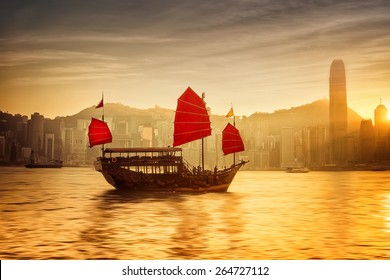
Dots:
(72, 213)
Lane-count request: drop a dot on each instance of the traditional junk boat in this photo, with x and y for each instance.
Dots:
(35, 162)
(163, 169)
(297, 168)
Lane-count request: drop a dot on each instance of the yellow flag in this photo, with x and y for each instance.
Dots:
(231, 113)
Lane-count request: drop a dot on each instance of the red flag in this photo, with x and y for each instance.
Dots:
(100, 104)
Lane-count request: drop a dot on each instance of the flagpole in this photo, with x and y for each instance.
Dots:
(103, 105)
(231, 114)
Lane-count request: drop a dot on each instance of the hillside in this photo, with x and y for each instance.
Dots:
(313, 114)
(120, 112)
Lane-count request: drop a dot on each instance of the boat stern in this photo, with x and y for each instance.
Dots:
(98, 165)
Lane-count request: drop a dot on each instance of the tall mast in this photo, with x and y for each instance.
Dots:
(98, 131)
(231, 139)
(234, 124)
(103, 120)
(203, 96)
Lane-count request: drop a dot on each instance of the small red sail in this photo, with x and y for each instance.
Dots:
(98, 133)
(231, 140)
(192, 121)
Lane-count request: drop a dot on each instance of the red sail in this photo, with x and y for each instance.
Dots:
(192, 121)
(98, 133)
(231, 140)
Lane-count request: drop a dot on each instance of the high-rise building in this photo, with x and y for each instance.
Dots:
(314, 147)
(2, 146)
(67, 145)
(338, 127)
(36, 132)
(382, 129)
(367, 141)
(381, 122)
(287, 147)
(49, 146)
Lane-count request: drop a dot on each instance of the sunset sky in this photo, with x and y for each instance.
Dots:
(56, 57)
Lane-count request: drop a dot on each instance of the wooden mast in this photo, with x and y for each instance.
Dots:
(203, 97)
(234, 124)
(231, 139)
(98, 131)
(103, 121)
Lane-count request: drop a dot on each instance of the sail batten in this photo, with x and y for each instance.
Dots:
(98, 133)
(192, 120)
(192, 104)
(231, 140)
(189, 113)
(190, 132)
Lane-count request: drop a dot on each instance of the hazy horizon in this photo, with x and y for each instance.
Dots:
(107, 113)
(56, 57)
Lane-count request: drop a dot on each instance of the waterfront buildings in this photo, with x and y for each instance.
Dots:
(319, 135)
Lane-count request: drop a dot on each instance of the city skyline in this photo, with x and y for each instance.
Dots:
(272, 140)
(58, 56)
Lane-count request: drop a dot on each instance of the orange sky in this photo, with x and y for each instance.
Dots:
(56, 57)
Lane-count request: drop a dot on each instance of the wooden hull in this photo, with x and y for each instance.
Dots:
(124, 179)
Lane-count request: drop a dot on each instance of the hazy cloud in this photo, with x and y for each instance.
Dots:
(259, 48)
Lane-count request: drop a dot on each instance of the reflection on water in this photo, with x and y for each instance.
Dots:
(73, 214)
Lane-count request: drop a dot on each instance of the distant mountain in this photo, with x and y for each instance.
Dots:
(308, 115)
(120, 112)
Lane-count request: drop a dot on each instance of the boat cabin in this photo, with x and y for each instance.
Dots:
(153, 160)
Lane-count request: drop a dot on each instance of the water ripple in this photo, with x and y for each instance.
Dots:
(73, 213)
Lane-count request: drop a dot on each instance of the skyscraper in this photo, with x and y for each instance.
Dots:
(367, 141)
(338, 127)
(382, 130)
(287, 147)
(36, 132)
(381, 119)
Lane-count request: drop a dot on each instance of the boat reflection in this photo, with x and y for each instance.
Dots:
(137, 225)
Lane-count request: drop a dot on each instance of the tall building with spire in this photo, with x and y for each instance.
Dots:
(381, 119)
(338, 127)
(382, 130)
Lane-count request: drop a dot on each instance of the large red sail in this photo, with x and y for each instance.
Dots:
(98, 133)
(192, 121)
(231, 140)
